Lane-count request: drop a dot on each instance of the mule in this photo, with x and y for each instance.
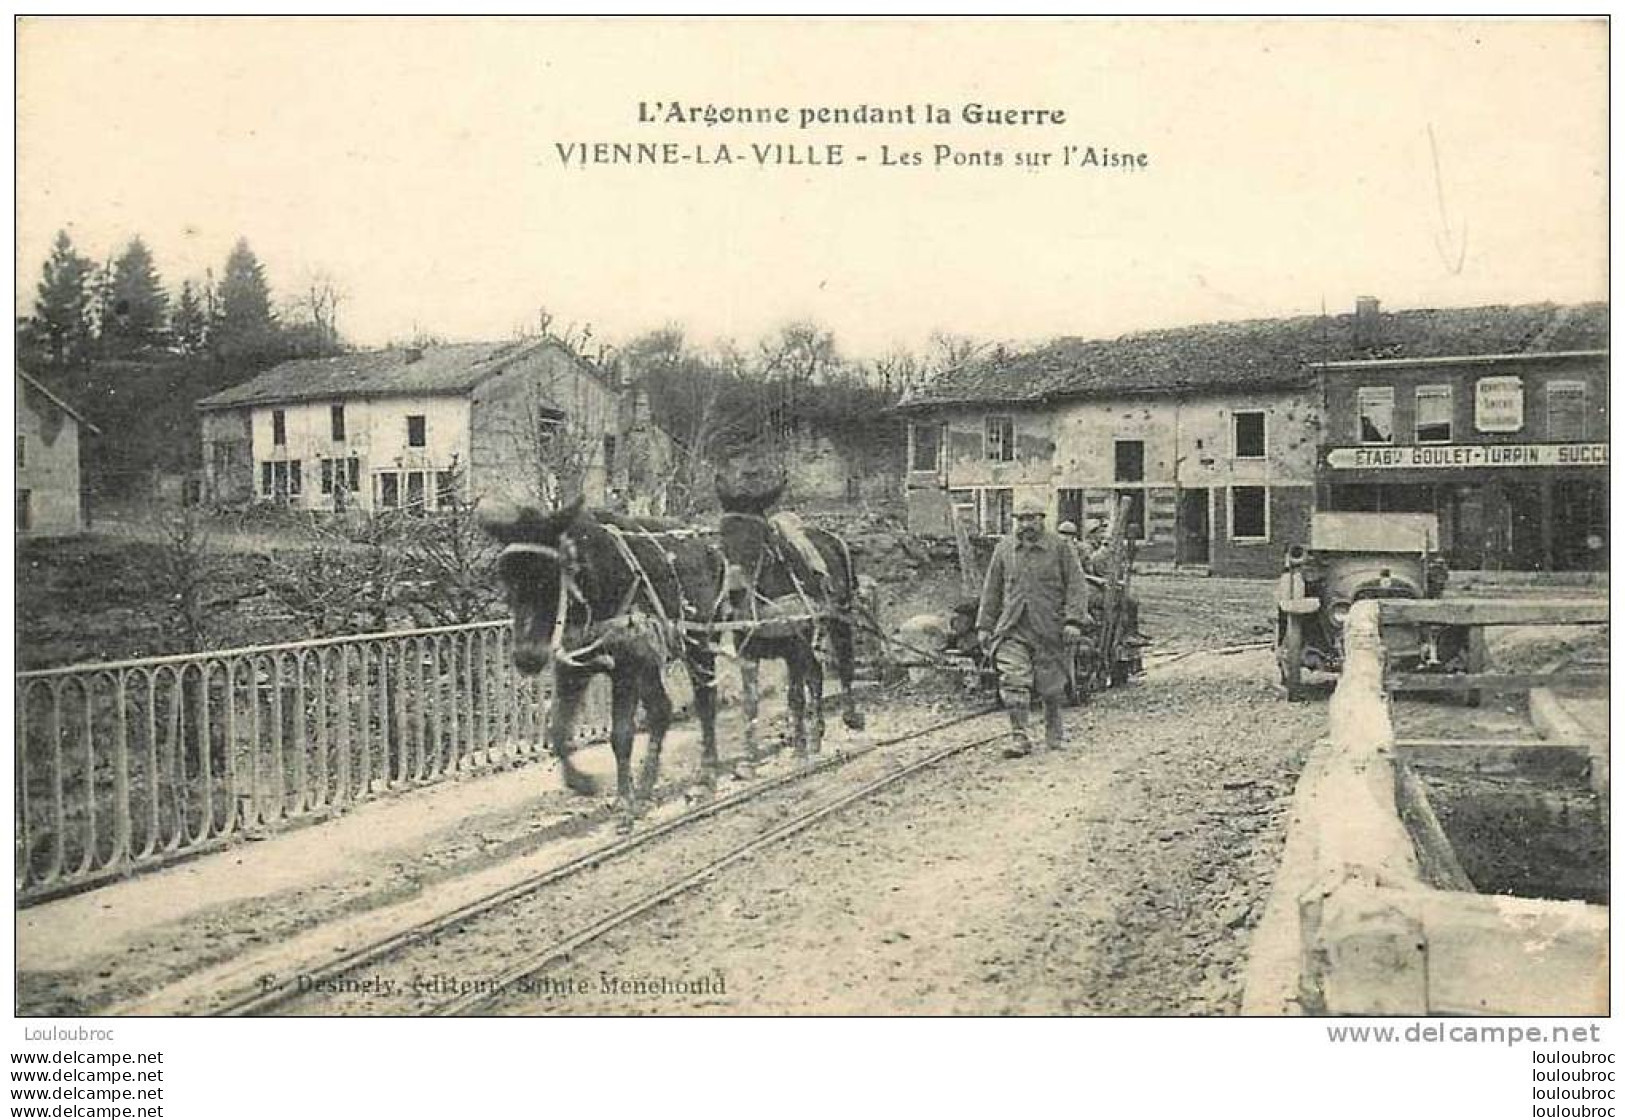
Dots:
(593, 592)
(785, 598)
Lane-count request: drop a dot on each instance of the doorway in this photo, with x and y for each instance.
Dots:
(1194, 534)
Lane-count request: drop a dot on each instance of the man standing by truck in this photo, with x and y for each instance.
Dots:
(1033, 604)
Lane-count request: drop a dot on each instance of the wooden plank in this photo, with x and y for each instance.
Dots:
(1440, 867)
(1495, 612)
(1538, 759)
(1490, 682)
(1488, 744)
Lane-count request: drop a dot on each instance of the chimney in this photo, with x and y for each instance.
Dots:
(1367, 322)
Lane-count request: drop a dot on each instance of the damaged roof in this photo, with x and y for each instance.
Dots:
(398, 371)
(1258, 353)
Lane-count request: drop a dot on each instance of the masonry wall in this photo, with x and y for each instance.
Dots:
(1190, 464)
(861, 470)
(505, 463)
(228, 458)
(49, 471)
(375, 434)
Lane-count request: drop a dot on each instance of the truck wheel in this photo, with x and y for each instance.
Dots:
(1289, 655)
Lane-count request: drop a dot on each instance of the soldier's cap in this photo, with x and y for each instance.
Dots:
(1067, 529)
(1030, 506)
(1093, 525)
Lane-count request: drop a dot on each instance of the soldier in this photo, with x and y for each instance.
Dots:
(1033, 604)
(1096, 558)
(1092, 547)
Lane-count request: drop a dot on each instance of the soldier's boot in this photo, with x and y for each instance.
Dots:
(1054, 730)
(1020, 744)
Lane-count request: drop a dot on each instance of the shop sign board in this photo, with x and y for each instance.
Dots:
(1467, 455)
(1498, 404)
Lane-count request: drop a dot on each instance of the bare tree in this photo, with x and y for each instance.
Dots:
(318, 302)
(452, 558)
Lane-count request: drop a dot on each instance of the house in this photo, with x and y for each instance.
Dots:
(1215, 433)
(1497, 421)
(49, 499)
(1209, 432)
(416, 428)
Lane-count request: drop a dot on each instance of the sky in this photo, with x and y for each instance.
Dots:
(1288, 166)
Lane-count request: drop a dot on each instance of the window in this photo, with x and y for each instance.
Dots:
(962, 507)
(341, 474)
(926, 441)
(22, 452)
(337, 416)
(999, 439)
(1433, 413)
(389, 490)
(445, 489)
(609, 459)
(1134, 516)
(996, 508)
(25, 510)
(1249, 435)
(1130, 460)
(279, 428)
(414, 489)
(416, 431)
(1565, 410)
(281, 478)
(1249, 513)
(1376, 403)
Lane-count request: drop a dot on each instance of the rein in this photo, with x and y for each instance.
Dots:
(567, 558)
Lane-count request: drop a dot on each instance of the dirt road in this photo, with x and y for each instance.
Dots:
(1122, 875)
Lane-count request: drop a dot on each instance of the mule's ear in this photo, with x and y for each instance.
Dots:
(726, 494)
(569, 513)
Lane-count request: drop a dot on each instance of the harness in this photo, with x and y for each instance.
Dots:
(667, 634)
(654, 620)
(756, 599)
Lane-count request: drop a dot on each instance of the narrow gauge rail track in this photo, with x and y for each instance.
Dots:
(328, 976)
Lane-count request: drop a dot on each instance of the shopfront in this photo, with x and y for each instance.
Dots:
(1510, 452)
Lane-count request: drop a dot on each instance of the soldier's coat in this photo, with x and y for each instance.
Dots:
(1032, 589)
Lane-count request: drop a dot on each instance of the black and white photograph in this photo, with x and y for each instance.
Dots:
(1080, 519)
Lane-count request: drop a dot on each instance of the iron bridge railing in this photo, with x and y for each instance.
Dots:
(127, 764)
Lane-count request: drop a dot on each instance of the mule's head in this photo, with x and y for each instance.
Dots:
(537, 566)
(744, 521)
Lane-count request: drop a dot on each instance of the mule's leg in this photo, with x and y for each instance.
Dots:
(625, 686)
(703, 676)
(795, 673)
(657, 714)
(813, 674)
(750, 699)
(567, 692)
(841, 639)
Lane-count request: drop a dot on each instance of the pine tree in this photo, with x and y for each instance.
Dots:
(62, 304)
(243, 327)
(189, 323)
(138, 308)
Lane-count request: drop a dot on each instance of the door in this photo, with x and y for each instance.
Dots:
(1193, 527)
